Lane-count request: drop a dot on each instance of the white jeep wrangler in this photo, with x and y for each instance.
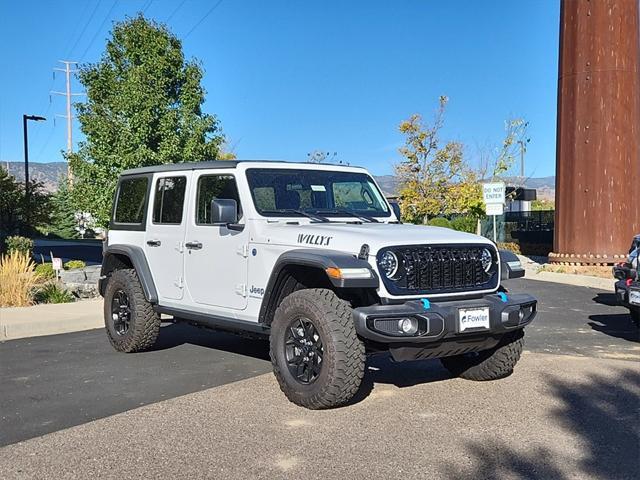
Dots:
(313, 257)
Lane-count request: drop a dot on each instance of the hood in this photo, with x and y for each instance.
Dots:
(350, 237)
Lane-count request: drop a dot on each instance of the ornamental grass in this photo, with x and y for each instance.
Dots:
(18, 279)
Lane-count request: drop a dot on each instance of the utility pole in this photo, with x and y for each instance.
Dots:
(68, 71)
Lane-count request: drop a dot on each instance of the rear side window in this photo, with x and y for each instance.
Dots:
(168, 201)
(212, 187)
(131, 201)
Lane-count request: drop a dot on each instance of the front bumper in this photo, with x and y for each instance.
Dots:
(439, 333)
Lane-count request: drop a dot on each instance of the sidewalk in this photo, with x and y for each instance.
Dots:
(531, 268)
(50, 319)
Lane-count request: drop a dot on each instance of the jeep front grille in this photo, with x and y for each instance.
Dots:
(436, 269)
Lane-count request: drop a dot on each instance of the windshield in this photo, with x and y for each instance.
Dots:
(280, 192)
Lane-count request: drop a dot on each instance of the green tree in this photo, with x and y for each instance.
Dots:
(63, 222)
(14, 217)
(434, 179)
(543, 204)
(143, 107)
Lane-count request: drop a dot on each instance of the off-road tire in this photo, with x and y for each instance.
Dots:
(491, 364)
(343, 361)
(635, 316)
(144, 325)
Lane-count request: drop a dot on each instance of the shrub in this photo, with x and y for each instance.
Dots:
(53, 292)
(46, 271)
(71, 264)
(509, 246)
(440, 222)
(17, 279)
(464, 224)
(19, 244)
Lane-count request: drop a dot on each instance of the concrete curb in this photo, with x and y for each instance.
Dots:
(50, 319)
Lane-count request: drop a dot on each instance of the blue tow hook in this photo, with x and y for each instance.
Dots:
(426, 304)
(503, 297)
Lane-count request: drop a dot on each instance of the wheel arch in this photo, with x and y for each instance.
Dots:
(116, 257)
(306, 268)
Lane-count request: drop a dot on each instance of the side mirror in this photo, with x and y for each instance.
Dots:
(224, 211)
(396, 210)
(511, 266)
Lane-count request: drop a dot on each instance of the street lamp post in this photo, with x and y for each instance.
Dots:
(25, 119)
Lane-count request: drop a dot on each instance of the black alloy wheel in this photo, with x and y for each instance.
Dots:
(120, 312)
(303, 350)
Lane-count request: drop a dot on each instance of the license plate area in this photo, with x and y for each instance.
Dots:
(634, 297)
(473, 319)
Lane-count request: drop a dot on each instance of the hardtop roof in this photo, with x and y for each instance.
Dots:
(215, 164)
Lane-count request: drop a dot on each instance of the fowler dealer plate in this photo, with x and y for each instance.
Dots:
(474, 318)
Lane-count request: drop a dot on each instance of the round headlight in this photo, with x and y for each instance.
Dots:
(486, 259)
(388, 264)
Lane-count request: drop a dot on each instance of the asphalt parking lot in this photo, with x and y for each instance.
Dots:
(200, 406)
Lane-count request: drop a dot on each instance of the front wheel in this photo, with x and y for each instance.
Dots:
(635, 316)
(132, 324)
(317, 357)
(497, 362)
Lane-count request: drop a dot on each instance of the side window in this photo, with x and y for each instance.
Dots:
(169, 200)
(131, 201)
(211, 187)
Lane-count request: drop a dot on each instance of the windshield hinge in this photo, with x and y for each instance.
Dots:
(244, 250)
(241, 289)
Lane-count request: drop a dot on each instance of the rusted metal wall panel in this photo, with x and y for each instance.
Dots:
(598, 136)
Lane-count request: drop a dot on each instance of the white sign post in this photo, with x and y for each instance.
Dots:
(56, 263)
(493, 195)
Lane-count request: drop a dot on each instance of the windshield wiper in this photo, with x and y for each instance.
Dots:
(349, 213)
(312, 216)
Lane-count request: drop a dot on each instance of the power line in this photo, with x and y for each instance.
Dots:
(175, 10)
(148, 4)
(93, 39)
(202, 19)
(78, 25)
(46, 143)
(84, 29)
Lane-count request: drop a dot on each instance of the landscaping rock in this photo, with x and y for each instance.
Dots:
(82, 282)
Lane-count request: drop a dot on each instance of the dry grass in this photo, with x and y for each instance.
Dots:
(591, 270)
(17, 280)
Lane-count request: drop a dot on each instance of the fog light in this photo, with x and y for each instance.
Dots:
(408, 326)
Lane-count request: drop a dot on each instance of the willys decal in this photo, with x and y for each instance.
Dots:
(314, 239)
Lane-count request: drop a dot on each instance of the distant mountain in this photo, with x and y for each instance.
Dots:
(50, 173)
(47, 173)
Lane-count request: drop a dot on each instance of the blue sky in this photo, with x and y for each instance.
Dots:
(289, 77)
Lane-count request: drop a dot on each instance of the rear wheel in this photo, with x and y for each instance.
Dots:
(131, 323)
(317, 357)
(491, 364)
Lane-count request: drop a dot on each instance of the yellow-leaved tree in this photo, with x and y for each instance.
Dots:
(434, 179)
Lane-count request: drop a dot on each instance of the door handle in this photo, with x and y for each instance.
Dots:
(193, 245)
(154, 243)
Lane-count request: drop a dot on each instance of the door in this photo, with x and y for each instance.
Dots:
(215, 257)
(164, 235)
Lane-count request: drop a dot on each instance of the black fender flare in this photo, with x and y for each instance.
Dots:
(319, 259)
(138, 261)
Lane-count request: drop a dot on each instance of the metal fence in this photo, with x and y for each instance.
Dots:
(511, 225)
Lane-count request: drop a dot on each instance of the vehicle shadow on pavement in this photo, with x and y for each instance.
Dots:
(382, 369)
(616, 325)
(608, 299)
(601, 413)
(175, 334)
